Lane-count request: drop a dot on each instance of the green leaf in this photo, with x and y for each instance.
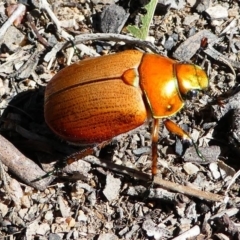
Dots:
(146, 19)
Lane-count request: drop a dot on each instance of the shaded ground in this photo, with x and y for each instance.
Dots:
(100, 200)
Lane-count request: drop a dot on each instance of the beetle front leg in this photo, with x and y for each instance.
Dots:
(155, 130)
(175, 129)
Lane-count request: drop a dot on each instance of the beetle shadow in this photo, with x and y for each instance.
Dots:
(23, 124)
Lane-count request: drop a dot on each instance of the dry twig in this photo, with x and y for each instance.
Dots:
(22, 166)
(17, 13)
(158, 181)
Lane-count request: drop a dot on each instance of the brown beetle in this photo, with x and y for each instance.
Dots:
(96, 99)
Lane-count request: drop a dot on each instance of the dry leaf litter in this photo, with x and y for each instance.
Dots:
(104, 196)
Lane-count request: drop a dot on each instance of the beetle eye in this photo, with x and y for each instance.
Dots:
(192, 94)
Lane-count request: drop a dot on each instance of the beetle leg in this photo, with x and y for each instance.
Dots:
(72, 158)
(175, 129)
(155, 130)
(77, 155)
(67, 161)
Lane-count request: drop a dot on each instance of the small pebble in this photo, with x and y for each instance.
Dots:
(214, 170)
(112, 187)
(190, 168)
(217, 12)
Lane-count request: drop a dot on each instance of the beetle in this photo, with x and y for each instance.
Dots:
(96, 99)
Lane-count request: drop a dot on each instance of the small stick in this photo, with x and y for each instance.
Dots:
(34, 29)
(18, 12)
(43, 4)
(158, 181)
(116, 38)
(191, 233)
(21, 166)
(100, 36)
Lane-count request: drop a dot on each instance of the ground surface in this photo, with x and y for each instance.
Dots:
(101, 199)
